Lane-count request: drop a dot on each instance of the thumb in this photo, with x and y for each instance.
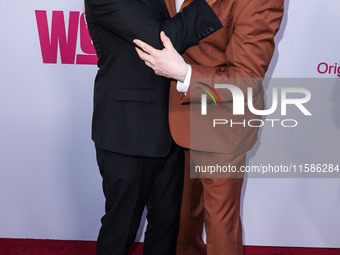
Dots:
(166, 41)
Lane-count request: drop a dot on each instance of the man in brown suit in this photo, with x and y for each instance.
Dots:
(237, 54)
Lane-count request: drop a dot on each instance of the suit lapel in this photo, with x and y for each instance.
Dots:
(171, 6)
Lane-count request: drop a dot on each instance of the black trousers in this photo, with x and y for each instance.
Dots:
(130, 183)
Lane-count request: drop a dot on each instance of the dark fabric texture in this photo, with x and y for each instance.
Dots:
(130, 101)
(130, 183)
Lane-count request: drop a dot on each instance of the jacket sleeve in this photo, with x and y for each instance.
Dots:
(248, 53)
(133, 19)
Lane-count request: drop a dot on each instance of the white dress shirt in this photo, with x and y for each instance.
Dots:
(179, 4)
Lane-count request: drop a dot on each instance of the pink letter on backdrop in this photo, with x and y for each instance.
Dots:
(49, 46)
(90, 57)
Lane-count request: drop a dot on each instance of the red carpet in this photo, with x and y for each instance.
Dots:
(56, 247)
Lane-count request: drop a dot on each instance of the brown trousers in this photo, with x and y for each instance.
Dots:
(215, 202)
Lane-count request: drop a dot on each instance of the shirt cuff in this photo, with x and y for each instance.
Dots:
(183, 87)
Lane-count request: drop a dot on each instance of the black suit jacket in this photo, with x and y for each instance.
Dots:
(131, 102)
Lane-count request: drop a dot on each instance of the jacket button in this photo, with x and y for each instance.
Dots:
(211, 29)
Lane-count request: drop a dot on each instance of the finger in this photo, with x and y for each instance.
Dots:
(151, 66)
(85, 21)
(148, 64)
(166, 40)
(159, 73)
(146, 47)
(143, 55)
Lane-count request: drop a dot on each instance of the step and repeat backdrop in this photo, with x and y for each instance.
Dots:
(50, 187)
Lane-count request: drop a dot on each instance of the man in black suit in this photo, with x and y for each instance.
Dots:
(138, 160)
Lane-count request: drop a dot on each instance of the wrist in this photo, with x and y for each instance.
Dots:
(183, 73)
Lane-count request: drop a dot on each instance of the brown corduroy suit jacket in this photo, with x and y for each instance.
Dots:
(237, 54)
